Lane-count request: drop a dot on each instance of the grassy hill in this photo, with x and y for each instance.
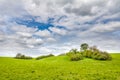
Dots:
(59, 68)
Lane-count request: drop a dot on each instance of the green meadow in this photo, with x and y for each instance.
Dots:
(59, 68)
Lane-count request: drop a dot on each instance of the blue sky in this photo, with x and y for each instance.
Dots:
(40, 27)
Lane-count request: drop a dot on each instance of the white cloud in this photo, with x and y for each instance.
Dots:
(21, 28)
(111, 26)
(83, 21)
(58, 30)
(11, 8)
(43, 33)
(50, 39)
(34, 41)
(24, 34)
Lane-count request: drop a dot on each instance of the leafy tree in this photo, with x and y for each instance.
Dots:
(93, 48)
(84, 46)
(74, 51)
(18, 55)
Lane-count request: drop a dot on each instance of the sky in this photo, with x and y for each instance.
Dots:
(40, 27)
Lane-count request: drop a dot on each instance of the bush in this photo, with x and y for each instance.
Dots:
(95, 53)
(44, 56)
(102, 56)
(20, 56)
(72, 51)
(76, 57)
(87, 53)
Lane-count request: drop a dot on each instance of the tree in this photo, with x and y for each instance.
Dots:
(84, 46)
(21, 56)
(93, 48)
(74, 51)
(18, 55)
(44, 56)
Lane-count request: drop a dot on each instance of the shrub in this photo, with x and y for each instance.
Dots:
(69, 53)
(88, 53)
(20, 56)
(76, 57)
(97, 56)
(72, 51)
(102, 56)
(44, 56)
(105, 56)
(95, 53)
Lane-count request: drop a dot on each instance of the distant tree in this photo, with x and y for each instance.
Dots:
(94, 53)
(93, 48)
(44, 56)
(84, 46)
(74, 51)
(18, 55)
(21, 56)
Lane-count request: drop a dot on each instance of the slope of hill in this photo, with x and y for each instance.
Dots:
(59, 68)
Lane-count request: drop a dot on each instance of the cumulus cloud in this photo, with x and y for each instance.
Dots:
(51, 39)
(109, 27)
(86, 8)
(67, 23)
(44, 33)
(58, 30)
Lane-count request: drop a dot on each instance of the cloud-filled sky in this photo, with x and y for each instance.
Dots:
(39, 27)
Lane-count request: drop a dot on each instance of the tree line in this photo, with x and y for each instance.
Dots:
(87, 51)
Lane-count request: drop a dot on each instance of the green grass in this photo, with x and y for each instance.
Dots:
(59, 68)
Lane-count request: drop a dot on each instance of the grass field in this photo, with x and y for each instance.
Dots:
(59, 68)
